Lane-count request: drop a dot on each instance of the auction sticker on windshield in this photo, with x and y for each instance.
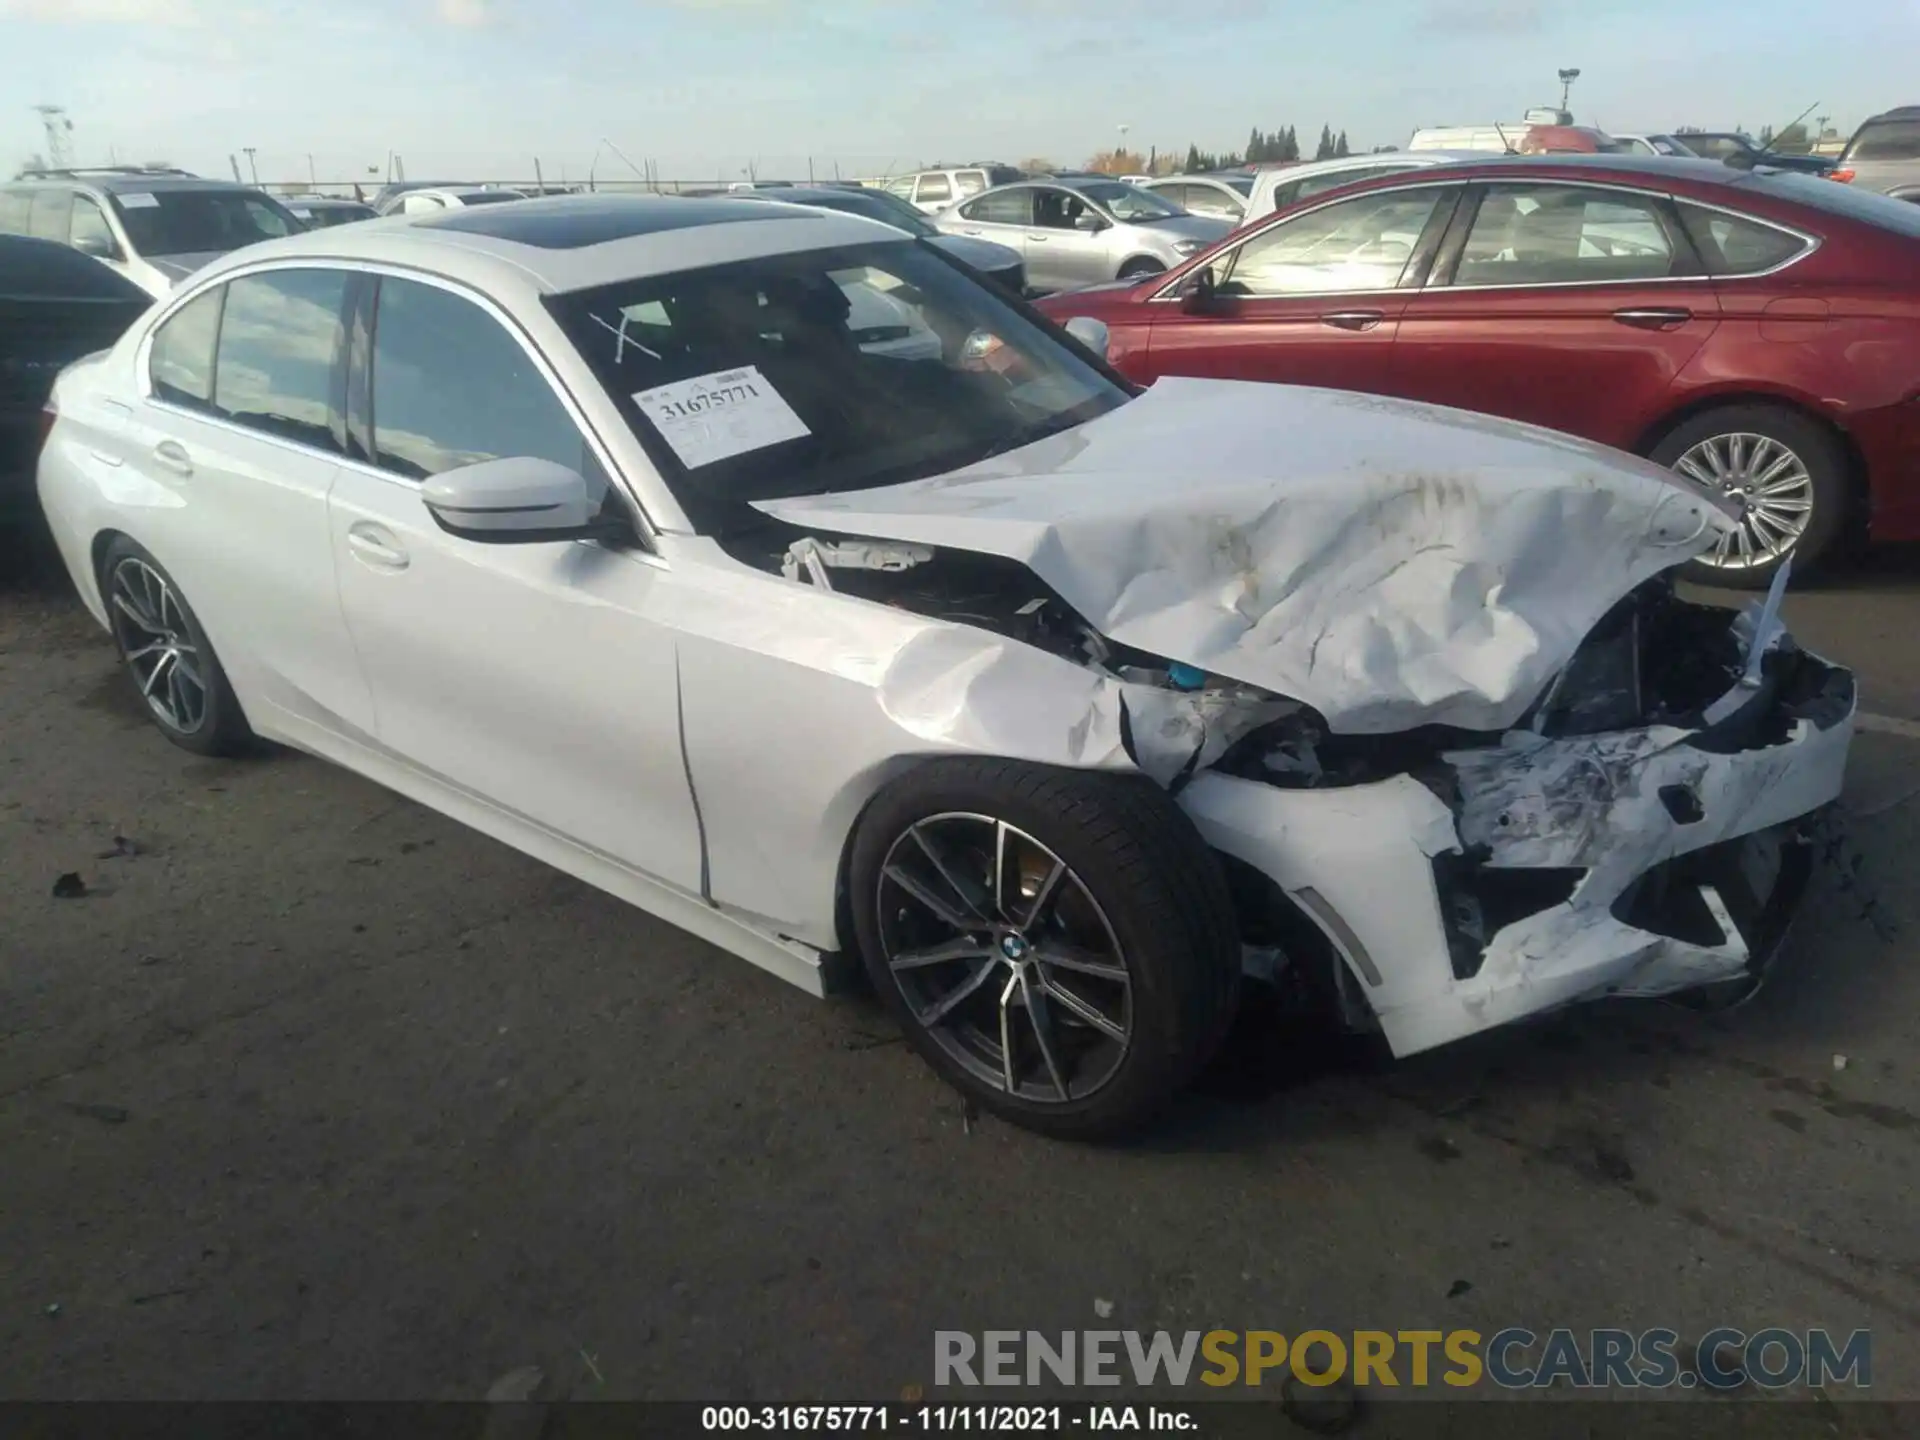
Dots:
(713, 417)
(138, 200)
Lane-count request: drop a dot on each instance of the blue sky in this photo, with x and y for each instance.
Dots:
(704, 87)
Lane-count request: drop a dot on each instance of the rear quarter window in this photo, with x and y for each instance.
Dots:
(1733, 245)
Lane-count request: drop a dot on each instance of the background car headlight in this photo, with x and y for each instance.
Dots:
(1188, 247)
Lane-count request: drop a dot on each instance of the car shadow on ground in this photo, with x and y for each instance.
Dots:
(30, 563)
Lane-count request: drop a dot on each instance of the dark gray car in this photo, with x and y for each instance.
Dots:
(1078, 231)
(1884, 155)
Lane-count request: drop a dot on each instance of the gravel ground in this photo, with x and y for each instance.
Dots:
(316, 1094)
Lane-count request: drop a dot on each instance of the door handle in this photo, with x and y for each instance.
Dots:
(1040, 238)
(1354, 319)
(374, 545)
(1653, 319)
(171, 455)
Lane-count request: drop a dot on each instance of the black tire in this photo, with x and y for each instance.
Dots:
(1127, 848)
(219, 727)
(1136, 268)
(1829, 491)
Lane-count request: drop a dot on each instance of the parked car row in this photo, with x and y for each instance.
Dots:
(1758, 331)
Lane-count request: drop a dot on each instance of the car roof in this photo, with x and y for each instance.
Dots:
(574, 242)
(1688, 171)
(143, 184)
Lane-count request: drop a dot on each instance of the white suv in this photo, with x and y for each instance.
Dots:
(1284, 185)
(155, 229)
(933, 190)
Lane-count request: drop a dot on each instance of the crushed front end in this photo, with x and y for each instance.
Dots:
(1645, 829)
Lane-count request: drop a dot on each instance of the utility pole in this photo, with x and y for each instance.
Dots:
(59, 130)
(252, 169)
(313, 180)
(1567, 77)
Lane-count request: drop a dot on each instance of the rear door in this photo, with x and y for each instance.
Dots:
(933, 192)
(1312, 299)
(240, 427)
(1063, 249)
(1572, 306)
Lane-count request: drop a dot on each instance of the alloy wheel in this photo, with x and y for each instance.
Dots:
(1768, 481)
(151, 626)
(1005, 958)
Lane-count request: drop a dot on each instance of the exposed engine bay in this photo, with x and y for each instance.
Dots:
(1610, 823)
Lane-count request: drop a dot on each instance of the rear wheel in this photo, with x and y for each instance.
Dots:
(1058, 945)
(1785, 471)
(167, 656)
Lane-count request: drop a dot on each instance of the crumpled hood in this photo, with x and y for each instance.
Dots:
(1388, 563)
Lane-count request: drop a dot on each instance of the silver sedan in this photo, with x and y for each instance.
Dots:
(1083, 231)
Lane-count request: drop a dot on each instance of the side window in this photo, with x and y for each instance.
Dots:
(1057, 209)
(1181, 195)
(970, 182)
(1735, 245)
(274, 368)
(180, 360)
(88, 229)
(267, 219)
(1316, 184)
(1565, 235)
(51, 215)
(934, 190)
(1007, 207)
(903, 187)
(1358, 244)
(15, 206)
(451, 387)
(1285, 195)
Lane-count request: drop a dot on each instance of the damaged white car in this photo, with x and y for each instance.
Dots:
(624, 531)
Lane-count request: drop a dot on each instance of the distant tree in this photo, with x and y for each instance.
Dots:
(1035, 165)
(1194, 159)
(1385, 149)
(1324, 151)
(1340, 150)
(1116, 162)
(1794, 140)
(1766, 136)
(1256, 145)
(1289, 145)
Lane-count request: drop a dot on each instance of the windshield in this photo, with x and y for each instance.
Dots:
(1125, 202)
(1667, 145)
(1244, 184)
(838, 369)
(200, 222)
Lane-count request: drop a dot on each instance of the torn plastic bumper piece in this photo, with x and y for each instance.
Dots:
(1689, 862)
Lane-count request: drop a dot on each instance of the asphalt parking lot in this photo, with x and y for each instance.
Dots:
(313, 1093)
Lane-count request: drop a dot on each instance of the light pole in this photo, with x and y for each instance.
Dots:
(252, 169)
(1567, 77)
(1118, 162)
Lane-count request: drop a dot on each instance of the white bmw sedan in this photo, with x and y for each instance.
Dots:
(763, 567)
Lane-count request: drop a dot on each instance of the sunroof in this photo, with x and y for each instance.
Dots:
(574, 221)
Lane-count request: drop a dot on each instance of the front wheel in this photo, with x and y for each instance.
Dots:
(1141, 268)
(1058, 945)
(1785, 471)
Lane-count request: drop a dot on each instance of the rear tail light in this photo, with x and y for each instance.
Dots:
(1845, 177)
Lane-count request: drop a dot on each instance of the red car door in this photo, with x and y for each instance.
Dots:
(1313, 299)
(1568, 305)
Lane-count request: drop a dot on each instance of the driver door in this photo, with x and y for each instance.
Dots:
(537, 677)
(1314, 299)
(1061, 253)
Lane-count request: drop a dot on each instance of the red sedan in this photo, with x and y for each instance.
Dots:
(1759, 332)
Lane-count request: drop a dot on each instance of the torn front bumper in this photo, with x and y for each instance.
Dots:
(1638, 862)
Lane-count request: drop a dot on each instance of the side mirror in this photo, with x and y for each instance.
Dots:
(1089, 332)
(1091, 223)
(516, 501)
(100, 247)
(1203, 288)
